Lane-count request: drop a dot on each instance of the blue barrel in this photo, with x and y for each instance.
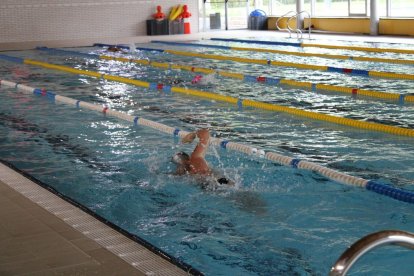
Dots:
(257, 20)
(258, 13)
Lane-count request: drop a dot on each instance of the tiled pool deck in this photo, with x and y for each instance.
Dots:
(42, 234)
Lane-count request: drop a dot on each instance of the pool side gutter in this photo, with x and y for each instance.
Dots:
(88, 242)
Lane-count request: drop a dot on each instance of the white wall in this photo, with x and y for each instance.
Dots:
(50, 20)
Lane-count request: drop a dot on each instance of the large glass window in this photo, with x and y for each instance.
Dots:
(357, 7)
(331, 8)
(401, 8)
(278, 7)
(284, 6)
(238, 10)
(382, 8)
(237, 14)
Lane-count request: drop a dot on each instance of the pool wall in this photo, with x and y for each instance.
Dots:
(35, 22)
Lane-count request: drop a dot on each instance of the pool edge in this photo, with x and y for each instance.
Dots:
(108, 236)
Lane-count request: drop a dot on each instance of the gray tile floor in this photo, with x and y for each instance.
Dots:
(41, 234)
(35, 242)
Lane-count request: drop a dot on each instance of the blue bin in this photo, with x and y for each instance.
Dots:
(257, 20)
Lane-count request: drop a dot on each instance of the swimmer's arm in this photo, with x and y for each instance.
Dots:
(201, 148)
(189, 138)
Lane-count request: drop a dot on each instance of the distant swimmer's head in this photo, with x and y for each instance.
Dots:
(181, 159)
(113, 49)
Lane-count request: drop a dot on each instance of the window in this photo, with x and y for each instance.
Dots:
(331, 8)
(357, 7)
(401, 8)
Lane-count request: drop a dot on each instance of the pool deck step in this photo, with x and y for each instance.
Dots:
(42, 234)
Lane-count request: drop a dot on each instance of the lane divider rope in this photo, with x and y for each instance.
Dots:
(387, 190)
(232, 100)
(301, 54)
(400, 98)
(347, 71)
(343, 47)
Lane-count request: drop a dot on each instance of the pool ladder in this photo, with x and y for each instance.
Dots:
(290, 29)
(367, 243)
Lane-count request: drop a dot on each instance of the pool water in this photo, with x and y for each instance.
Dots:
(276, 221)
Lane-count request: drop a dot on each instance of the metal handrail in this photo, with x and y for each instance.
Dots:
(298, 31)
(287, 29)
(367, 243)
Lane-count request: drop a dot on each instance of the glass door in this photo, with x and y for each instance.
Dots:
(223, 14)
(237, 14)
(212, 15)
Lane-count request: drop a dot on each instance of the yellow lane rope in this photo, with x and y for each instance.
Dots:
(248, 103)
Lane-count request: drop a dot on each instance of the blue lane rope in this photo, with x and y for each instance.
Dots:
(399, 194)
(36, 91)
(149, 49)
(12, 59)
(335, 69)
(360, 72)
(402, 99)
(272, 81)
(51, 96)
(223, 144)
(248, 78)
(136, 120)
(127, 47)
(240, 104)
(294, 163)
(111, 45)
(259, 42)
(176, 131)
(166, 89)
(57, 51)
(153, 86)
(192, 44)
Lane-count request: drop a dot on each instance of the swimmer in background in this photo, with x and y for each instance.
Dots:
(114, 49)
(208, 79)
(196, 164)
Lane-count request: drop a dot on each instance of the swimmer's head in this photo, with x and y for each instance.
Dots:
(181, 159)
(113, 49)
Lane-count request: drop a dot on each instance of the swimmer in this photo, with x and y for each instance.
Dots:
(114, 49)
(175, 81)
(196, 164)
(209, 79)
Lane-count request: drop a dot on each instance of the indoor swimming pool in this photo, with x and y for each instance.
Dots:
(277, 220)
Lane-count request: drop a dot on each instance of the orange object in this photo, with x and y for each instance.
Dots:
(159, 15)
(185, 15)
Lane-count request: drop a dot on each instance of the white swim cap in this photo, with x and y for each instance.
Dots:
(180, 158)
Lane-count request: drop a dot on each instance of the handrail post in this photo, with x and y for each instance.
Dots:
(286, 29)
(297, 30)
(367, 243)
